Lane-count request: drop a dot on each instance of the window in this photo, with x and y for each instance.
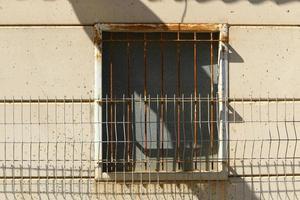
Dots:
(162, 101)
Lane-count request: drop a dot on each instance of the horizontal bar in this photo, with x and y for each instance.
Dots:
(163, 176)
(171, 27)
(152, 99)
(263, 99)
(47, 177)
(252, 175)
(69, 142)
(157, 40)
(47, 100)
(197, 99)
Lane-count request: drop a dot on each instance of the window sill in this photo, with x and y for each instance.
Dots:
(162, 176)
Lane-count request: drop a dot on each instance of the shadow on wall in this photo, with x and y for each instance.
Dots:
(126, 10)
(103, 10)
(234, 1)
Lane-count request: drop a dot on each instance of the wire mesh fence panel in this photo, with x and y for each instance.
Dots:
(48, 147)
(162, 126)
(42, 138)
(137, 152)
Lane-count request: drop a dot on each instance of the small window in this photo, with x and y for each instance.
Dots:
(163, 92)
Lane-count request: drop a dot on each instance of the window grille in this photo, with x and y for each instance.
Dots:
(162, 101)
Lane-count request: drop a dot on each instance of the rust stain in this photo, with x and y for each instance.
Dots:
(161, 27)
(224, 38)
(97, 35)
(224, 33)
(98, 55)
(97, 42)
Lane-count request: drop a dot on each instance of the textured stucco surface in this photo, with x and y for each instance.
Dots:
(53, 62)
(199, 11)
(58, 62)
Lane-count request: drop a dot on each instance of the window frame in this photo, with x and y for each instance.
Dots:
(222, 173)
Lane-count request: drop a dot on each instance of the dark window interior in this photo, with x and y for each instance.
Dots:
(158, 108)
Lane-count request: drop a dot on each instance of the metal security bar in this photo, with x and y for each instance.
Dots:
(154, 153)
(149, 122)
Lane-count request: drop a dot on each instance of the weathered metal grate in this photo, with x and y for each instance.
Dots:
(154, 116)
(48, 147)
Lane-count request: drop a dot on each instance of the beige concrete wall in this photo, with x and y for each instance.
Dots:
(58, 62)
(199, 11)
(264, 62)
(46, 62)
(263, 135)
(253, 188)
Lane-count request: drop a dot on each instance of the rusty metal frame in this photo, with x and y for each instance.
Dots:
(222, 172)
(169, 27)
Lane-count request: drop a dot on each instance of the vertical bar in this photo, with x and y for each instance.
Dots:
(133, 136)
(183, 144)
(207, 100)
(141, 103)
(91, 143)
(13, 144)
(174, 142)
(22, 139)
(115, 144)
(145, 99)
(168, 138)
(39, 137)
(158, 134)
(65, 135)
(200, 130)
(111, 108)
(5, 144)
(81, 133)
(30, 146)
(107, 155)
(162, 93)
(98, 96)
(128, 116)
(178, 92)
(195, 96)
(13, 136)
(211, 98)
(287, 134)
(56, 145)
(73, 141)
(190, 141)
(73, 134)
(295, 149)
(150, 141)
